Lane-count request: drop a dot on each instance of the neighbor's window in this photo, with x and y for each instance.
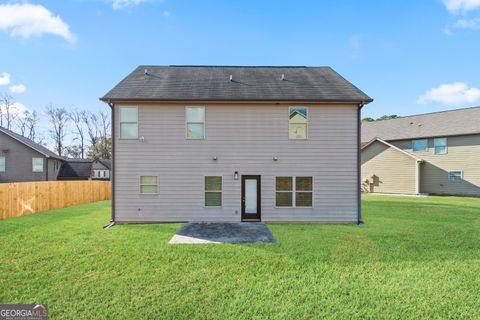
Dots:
(213, 191)
(297, 122)
(128, 122)
(440, 145)
(2, 164)
(148, 184)
(455, 176)
(37, 164)
(420, 145)
(294, 192)
(195, 117)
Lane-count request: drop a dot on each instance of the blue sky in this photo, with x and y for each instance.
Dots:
(410, 56)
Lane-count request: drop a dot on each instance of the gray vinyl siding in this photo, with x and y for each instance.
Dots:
(387, 170)
(245, 138)
(18, 161)
(463, 154)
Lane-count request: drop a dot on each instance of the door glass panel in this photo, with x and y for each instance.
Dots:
(251, 196)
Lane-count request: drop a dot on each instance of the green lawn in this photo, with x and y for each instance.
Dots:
(414, 258)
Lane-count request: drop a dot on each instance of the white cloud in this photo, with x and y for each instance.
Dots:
(461, 6)
(4, 78)
(122, 4)
(18, 88)
(454, 94)
(16, 108)
(26, 20)
(472, 24)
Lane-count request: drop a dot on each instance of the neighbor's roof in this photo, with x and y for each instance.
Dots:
(391, 146)
(29, 143)
(76, 168)
(436, 124)
(212, 83)
(102, 164)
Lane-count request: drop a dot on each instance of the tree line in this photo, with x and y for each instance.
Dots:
(74, 133)
(385, 117)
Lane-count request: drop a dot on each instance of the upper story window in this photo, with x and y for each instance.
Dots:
(297, 122)
(128, 123)
(420, 145)
(37, 164)
(440, 145)
(2, 164)
(195, 122)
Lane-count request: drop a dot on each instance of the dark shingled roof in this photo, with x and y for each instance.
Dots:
(436, 124)
(75, 169)
(101, 164)
(29, 143)
(212, 83)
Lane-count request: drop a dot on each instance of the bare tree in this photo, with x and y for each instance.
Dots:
(22, 122)
(9, 112)
(58, 118)
(105, 123)
(91, 122)
(77, 118)
(32, 122)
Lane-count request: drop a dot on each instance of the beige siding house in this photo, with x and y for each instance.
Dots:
(197, 143)
(436, 153)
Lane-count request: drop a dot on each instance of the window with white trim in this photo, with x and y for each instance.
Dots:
(2, 164)
(420, 145)
(37, 164)
(213, 191)
(455, 176)
(297, 122)
(128, 123)
(294, 192)
(440, 145)
(149, 184)
(195, 122)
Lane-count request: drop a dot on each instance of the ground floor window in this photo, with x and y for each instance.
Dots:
(455, 176)
(37, 164)
(213, 191)
(149, 184)
(291, 192)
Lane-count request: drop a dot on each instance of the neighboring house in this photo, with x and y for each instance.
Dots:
(76, 169)
(23, 160)
(212, 143)
(435, 153)
(101, 169)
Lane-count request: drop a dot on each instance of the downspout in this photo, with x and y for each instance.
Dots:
(112, 169)
(417, 177)
(359, 165)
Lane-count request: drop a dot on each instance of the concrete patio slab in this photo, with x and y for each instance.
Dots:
(205, 232)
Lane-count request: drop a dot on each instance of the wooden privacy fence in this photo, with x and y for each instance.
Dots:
(22, 198)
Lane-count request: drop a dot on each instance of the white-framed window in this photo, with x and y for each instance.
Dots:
(195, 122)
(128, 122)
(455, 176)
(420, 145)
(440, 145)
(297, 123)
(294, 192)
(2, 164)
(213, 186)
(148, 184)
(37, 164)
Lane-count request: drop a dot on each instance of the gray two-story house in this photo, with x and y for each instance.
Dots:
(23, 160)
(433, 153)
(212, 143)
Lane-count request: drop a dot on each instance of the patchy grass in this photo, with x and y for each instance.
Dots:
(414, 258)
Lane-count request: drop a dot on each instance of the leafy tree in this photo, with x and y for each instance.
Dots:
(368, 119)
(102, 149)
(387, 117)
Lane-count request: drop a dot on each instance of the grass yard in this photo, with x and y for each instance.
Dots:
(414, 258)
